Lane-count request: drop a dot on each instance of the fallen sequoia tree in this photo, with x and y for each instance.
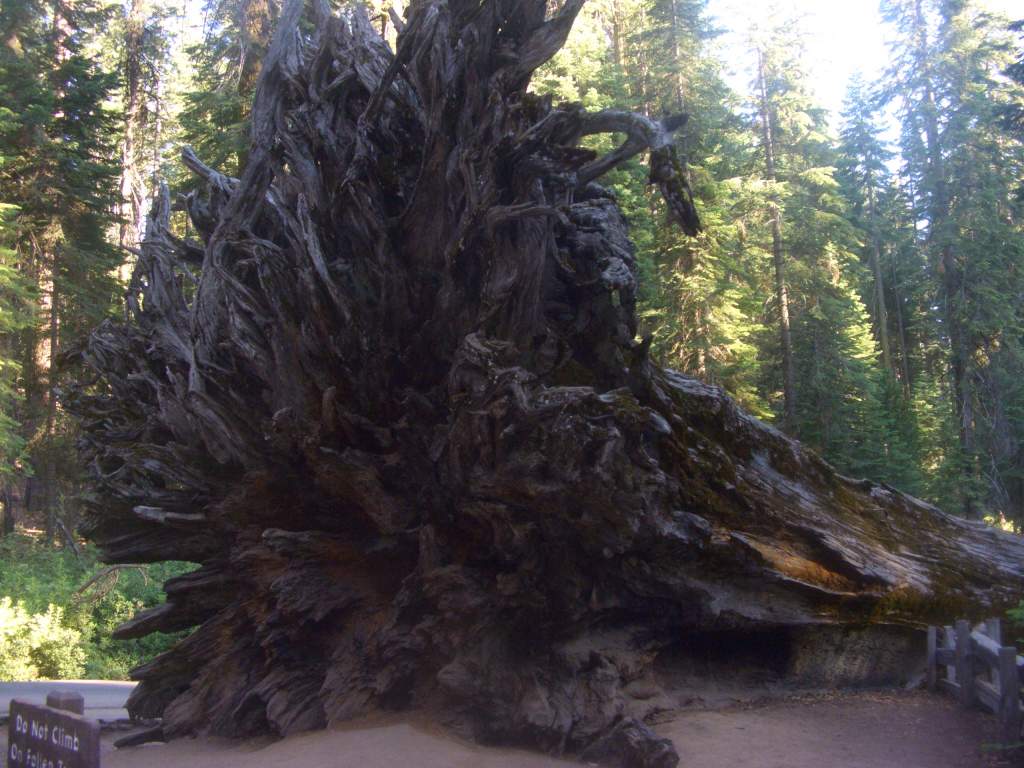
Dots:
(393, 405)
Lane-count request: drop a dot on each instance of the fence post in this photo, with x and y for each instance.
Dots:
(1009, 696)
(933, 669)
(949, 642)
(964, 662)
(994, 629)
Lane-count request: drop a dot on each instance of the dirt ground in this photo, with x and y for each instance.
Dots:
(858, 730)
(847, 730)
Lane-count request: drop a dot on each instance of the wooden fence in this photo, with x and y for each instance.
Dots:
(978, 669)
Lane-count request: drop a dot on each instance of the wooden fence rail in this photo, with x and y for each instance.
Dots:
(978, 669)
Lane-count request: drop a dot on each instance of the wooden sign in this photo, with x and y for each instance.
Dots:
(44, 737)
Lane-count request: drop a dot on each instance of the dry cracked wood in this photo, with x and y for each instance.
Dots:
(393, 405)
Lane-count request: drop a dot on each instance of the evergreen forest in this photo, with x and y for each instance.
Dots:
(858, 283)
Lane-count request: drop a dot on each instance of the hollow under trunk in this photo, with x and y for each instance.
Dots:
(393, 406)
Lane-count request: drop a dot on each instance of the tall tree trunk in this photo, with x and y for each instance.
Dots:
(42, 487)
(405, 428)
(678, 81)
(902, 335)
(881, 314)
(617, 34)
(941, 239)
(33, 364)
(778, 257)
(256, 24)
(700, 368)
(133, 188)
(7, 522)
(51, 495)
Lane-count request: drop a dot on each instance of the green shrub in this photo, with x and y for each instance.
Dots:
(15, 643)
(1016, 617)
(51, 628)
(38, 645)
(57, 650)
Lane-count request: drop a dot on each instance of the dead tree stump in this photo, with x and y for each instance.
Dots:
(393, 405)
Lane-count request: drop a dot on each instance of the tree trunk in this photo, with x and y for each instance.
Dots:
(618, 55)
(50, 460)
(8, 521)
(881, 314)
(941, 236)
(403, 425)
(901, 331)
(133, 188)
(32, 365)
(778, 258)
(677, 58)
(255, 23)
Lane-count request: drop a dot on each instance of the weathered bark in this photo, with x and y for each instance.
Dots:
(394, 407)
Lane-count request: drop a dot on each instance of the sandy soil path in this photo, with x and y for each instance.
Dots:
(863, 730)
(850, 730)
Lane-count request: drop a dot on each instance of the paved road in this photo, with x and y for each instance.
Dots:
(103, 699)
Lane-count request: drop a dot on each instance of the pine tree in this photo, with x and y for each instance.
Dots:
(770, 87)
(698, 295)
(58, 145)
(1013, 113)
(837, 388)
(146, 40)
(963, 170)
(703, 299)
(16, 297)
(866, 180)
(215, 116)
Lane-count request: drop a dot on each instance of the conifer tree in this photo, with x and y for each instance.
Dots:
(865, 178)
(146, 40)
(1014, 112)
(769, 89)
(836, 388)
(215, 115)
(58, 143)
(963, 168)
(15, 303)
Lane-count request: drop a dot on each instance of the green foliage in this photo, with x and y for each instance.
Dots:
(59, 194)
(15, 642)
(38, 645)
(1016, 615)
(215, 114)
(51, 628)
(57, 652)
(962, 171)
(868, 301)
(16, 296)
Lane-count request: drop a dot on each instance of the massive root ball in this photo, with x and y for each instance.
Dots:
(393, 406)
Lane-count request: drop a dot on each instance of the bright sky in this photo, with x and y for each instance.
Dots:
(844, 36)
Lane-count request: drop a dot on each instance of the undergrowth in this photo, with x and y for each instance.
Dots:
(58, 610)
